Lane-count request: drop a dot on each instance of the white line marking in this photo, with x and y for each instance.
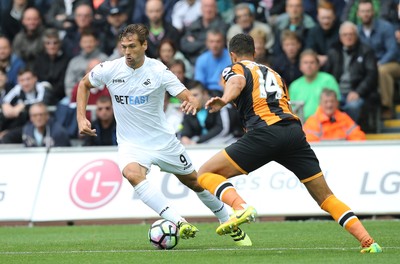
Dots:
(175, 250)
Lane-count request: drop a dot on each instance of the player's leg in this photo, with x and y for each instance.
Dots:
(136, 175)
(213, 177)
(215, 205)
(168, 162)
(342, 214)
(302, 161)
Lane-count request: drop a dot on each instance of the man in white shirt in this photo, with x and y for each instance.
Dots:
(137, 85)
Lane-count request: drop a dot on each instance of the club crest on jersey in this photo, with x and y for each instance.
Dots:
(146, 83)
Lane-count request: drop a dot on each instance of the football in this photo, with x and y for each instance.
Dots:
(163, 234)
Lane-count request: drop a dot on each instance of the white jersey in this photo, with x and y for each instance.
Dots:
(138, 99)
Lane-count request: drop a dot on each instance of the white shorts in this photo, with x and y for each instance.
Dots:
(174, 159)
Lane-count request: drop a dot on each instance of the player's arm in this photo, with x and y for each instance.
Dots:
(190, 104)
(232, 90)
(82, 96)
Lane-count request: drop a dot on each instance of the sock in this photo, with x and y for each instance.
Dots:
(347, 219)
(216, 206)
(156, 201)
(222, 189)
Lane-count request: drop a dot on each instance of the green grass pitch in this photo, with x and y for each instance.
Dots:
(273, 242)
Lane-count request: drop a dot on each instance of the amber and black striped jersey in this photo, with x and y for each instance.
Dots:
(265, 99)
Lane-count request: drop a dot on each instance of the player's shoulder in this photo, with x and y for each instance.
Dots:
(112, 63)
(155, 65)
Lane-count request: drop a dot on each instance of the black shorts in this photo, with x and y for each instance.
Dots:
(283, 143)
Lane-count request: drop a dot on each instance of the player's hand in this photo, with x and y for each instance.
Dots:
(85, 128)
(189, 107)
(214, 104)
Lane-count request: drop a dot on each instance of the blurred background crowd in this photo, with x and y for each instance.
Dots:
(348, 47)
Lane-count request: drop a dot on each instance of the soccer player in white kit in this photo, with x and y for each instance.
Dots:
(137, 85)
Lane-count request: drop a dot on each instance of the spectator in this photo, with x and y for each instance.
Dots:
(138, 16)
(83, 21)
(287, 63)
(329, 123)
(354, 66)
(42, 5)
(173, 113)
(178, 67)
(42, 130)
(326, 33)
(9, 61)
(184, 13)
(104, 124)
(274, 8)
(51, 65)
(205, 127)
(104, 10)
(307, 89)
(311, 7)
(60, 15)
(245, 22)
(95, 92)
(32, 33)
(17, 101)
(158, 27)
(396, 23)
(257, 7)
(77, 66)
(117, 19)
(117, 52)
(194, 40)
(385, 9)
(294, 19)
(4, 88)
(212, 62)
(262, 55)
(380, 36)
(167, 52)
(11, 18)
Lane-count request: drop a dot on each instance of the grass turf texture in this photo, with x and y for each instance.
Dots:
(273, 242)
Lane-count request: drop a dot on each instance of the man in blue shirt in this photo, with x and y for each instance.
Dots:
(211, 63)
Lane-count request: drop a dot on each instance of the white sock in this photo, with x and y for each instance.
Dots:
(215, 205)
(156, 201)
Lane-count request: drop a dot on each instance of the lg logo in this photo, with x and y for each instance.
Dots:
(95, 184)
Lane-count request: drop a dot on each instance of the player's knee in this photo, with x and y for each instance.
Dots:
(133, 176)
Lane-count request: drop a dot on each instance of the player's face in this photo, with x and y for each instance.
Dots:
(133, 51)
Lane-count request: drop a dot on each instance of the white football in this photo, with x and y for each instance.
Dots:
(163, 234)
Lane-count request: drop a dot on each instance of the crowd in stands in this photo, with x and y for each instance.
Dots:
(350, 47)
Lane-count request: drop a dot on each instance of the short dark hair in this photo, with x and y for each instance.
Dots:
(328, 92)
(140, 30)
(25, 70)
(193, 84)
(177, 62)
(242, 44)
